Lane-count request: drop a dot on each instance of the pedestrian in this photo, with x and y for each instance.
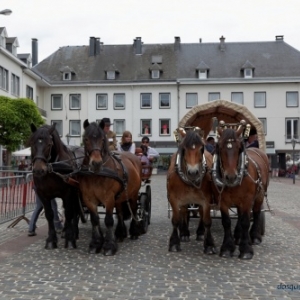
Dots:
(145, 160)
(111, 136)
(35, 215)
(126, 143)
(151, 152)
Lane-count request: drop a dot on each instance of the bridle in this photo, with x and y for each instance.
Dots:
(42, 157)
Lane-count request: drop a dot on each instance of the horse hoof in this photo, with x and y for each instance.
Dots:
(256, 241)
(109, 252)
(134, 237)
(185, 239)
(70, 245)
(51, 245)
(246, 255)
(93, 250)
(174, 248)
(200, 237)
(226, 254)
(210, 250)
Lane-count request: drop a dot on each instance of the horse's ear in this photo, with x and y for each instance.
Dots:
(86, 123)
(52, 128)
(33, 128)
(182, 132)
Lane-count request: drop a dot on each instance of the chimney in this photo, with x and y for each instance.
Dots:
(222, 43)
(177, 43)
(34, 49)
(200, 40)
(279, 37)
(97, 48)
(137, 45)
(92, 46)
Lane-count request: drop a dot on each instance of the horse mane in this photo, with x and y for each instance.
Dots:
(191, 138)
(95, 131)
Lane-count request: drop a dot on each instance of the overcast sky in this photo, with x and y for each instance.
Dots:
(57, 23)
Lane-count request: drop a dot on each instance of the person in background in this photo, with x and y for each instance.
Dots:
(210, 145)
(144, 159)
(111, 136)
(35, 215)
(252, 141)
(126, 143)
(151, 152)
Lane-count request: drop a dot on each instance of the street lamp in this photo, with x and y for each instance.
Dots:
(5, 12)
(294, 141)
(68, 138)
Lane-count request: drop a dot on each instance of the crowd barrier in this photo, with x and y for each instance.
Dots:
(17, 196)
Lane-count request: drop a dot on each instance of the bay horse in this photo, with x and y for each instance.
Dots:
(112, 180)
(241, 177)
(189, 182)
(49, 156)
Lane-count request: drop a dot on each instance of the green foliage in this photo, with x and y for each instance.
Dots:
(16, 115)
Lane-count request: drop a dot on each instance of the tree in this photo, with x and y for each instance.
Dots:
(16, 115)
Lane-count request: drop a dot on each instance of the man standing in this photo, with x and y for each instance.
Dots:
(111, 136)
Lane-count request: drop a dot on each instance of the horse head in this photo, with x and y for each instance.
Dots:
(229, 150)
(41, 143)
(95, 145)
(192, 150)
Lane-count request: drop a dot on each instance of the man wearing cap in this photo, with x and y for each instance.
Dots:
(111, 136)
(252, 140)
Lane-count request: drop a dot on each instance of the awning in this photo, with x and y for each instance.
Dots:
(23, 152)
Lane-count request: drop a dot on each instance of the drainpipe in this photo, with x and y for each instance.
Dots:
(178, 101)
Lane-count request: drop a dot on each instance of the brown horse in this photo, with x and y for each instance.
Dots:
(50, 160)
(241, 177)
(112, 180)
(188, 182)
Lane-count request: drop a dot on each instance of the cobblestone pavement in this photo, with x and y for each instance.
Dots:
(144, 269)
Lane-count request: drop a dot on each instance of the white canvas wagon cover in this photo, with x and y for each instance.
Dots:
(202, 115)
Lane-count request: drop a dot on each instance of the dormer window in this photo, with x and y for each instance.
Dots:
(202, 70)
(248, 73)
(155, 74)
(67, 75)
(248, 69)
(111, 75)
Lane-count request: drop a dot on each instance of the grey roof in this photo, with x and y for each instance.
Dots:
(271, 59)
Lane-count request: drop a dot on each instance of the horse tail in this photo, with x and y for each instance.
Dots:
(125, 211)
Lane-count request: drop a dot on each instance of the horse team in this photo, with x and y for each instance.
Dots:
(234, 177)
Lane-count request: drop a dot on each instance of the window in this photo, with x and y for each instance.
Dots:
(119, 127)
(247, 73)
(260, 99)
(213, 96)
(292, 99)
(164, 125)
(237, 97)
(155, 74)
(110, 75)
(67, 76)
(15, 85)
(202, 74)
(146, 101)
(75, 128)
(164, 100)
(3, 79)
(191, 100)
(101, 101)
(264, 124)
(29, 92)
(58, 126)
(119, 101)
(291, 129)
(56, 102)
(146, 127)
(75, 101)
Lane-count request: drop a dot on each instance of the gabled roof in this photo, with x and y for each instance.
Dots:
(274, 59)
(247, 65)
(202, 66)
(12, 40)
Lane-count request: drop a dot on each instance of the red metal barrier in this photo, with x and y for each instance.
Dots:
(17, 197)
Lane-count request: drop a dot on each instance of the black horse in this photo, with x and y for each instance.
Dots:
(51, 162)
